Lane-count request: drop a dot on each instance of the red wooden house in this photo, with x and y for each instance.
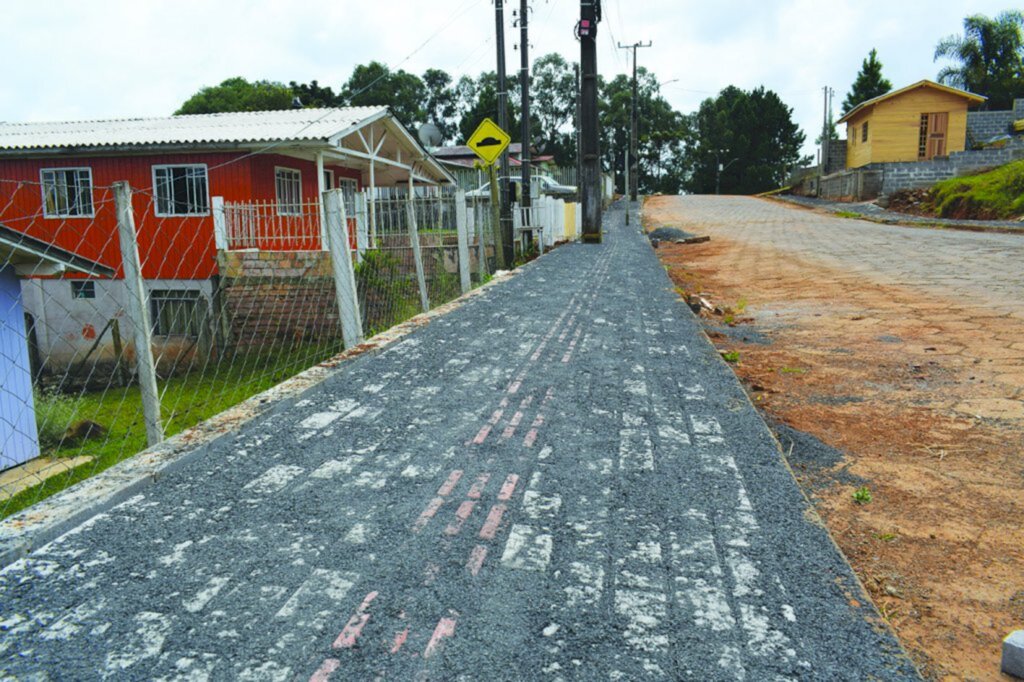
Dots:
(55, 186)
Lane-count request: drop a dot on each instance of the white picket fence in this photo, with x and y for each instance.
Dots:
(556, 220)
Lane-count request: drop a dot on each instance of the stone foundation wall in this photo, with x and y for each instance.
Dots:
(270, 298)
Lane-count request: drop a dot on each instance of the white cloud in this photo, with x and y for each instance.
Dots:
(68, 60)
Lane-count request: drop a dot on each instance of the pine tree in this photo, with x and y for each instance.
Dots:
(868, 84)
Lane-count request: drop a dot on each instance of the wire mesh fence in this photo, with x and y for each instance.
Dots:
(127, 317)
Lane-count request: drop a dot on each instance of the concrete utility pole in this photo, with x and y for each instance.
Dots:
(525, 200)
(505, 200)
(826, 140)
(579, 137)
(632, 160)
(590, 181)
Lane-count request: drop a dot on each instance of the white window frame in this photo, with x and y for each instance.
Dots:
(284, 205)
(156, 190)
(64, 169)
(349, 188)
(329, 179)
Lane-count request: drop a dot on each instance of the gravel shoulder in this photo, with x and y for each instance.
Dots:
(895, 365)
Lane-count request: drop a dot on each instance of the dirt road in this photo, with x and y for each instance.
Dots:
(902, 348)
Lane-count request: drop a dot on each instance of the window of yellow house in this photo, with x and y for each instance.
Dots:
(864, 132)
(922, 138)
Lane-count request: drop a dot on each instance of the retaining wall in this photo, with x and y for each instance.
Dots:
(984, 125)
(918, 174)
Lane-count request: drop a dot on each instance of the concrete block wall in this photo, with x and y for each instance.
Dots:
(918, 174)
(836, 156)
(854, 185)
(984, 125)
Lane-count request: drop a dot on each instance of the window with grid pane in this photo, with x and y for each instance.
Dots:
(67, 192)
(177, 312)
(288, 184)
(181, 190)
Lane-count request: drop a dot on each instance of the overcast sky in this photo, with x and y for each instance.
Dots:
(119, 58)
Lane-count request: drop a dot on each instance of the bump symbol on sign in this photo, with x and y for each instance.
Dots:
(488, 141)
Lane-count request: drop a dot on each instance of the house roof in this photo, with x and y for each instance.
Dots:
(323, 129)
(22, 251)
(295, 125)
(456, 151)
(970, 96)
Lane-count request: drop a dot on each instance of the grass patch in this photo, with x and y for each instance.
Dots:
(848, 214)
(731, 356)
(994, 195)
(186, 401)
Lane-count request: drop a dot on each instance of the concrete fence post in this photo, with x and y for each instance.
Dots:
(220, 226)
(462, 227)
(414, 239)
(138, 310)
(341, 264)
(362, 228)
(481, 263)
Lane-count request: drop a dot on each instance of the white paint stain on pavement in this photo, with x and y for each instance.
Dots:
(147, 641)
(527, 548)
(273, 479)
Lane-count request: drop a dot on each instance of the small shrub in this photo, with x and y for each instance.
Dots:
(862, 495)
(731, 356)
(55, 412)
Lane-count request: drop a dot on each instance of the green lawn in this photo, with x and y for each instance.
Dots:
(186, 401)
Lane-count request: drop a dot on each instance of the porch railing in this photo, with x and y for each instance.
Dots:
(270, 226)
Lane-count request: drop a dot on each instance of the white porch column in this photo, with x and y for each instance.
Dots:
(320, 189)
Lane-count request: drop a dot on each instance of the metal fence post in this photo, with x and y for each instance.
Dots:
(414, 238)
(341, 264)
(462, 227)
(139, 312)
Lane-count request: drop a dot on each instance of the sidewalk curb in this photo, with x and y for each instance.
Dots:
(903, 221)
(31, 528)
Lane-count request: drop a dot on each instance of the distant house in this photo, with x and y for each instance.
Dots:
(55, 182)
(22, 256)
(461, 156)
(916, 123)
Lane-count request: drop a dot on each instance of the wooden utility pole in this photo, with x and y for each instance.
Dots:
(526, 200)
(633, 167)
(503, 228)
(590, 181)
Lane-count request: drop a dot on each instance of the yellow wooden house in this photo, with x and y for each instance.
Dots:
(915, 123)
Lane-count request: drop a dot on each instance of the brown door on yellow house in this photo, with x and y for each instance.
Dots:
(938, 123)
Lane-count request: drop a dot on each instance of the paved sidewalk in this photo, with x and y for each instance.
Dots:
(559, 480)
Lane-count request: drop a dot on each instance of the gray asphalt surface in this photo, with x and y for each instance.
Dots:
(559, 480)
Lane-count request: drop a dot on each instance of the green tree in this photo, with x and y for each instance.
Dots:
(478, 99)
(238, 94)
(989, 58)
(751, 134)
(374, 84)
(661, 133)
(441, 104)
(314, 95)
(553, 108)
(868, 84)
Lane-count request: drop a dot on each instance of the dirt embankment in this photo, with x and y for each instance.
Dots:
(922, 396)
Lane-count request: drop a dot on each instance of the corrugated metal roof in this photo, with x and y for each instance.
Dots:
(239, 127)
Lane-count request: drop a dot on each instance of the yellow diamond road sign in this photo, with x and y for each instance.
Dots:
(488, 141)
